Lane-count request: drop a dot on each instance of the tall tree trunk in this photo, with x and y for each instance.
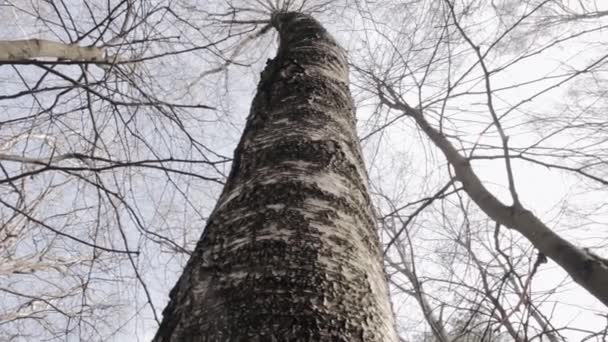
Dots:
(290, 252)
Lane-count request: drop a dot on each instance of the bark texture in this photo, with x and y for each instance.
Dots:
(290, 252)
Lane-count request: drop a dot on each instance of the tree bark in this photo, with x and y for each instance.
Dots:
(291, 251)
(20, 50)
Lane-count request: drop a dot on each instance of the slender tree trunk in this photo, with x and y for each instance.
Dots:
(18, 50)
(290, 252)
(586, 268)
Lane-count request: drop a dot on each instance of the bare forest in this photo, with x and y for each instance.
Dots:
(471, 136)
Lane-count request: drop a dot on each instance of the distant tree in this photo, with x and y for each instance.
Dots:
(468, 329)
(480, 103)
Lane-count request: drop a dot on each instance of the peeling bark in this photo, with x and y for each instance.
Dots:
(291, 251)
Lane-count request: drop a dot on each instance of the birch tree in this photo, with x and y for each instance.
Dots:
(119, 119)
(291, 252)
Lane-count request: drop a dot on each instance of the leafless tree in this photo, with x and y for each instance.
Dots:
(106, 145)
(291, 251)
(119, 119)
(454, 78)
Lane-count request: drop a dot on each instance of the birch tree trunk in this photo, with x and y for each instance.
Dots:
(290, 252)
(24, 50)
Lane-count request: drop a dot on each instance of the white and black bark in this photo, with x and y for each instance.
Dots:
(291, 251)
